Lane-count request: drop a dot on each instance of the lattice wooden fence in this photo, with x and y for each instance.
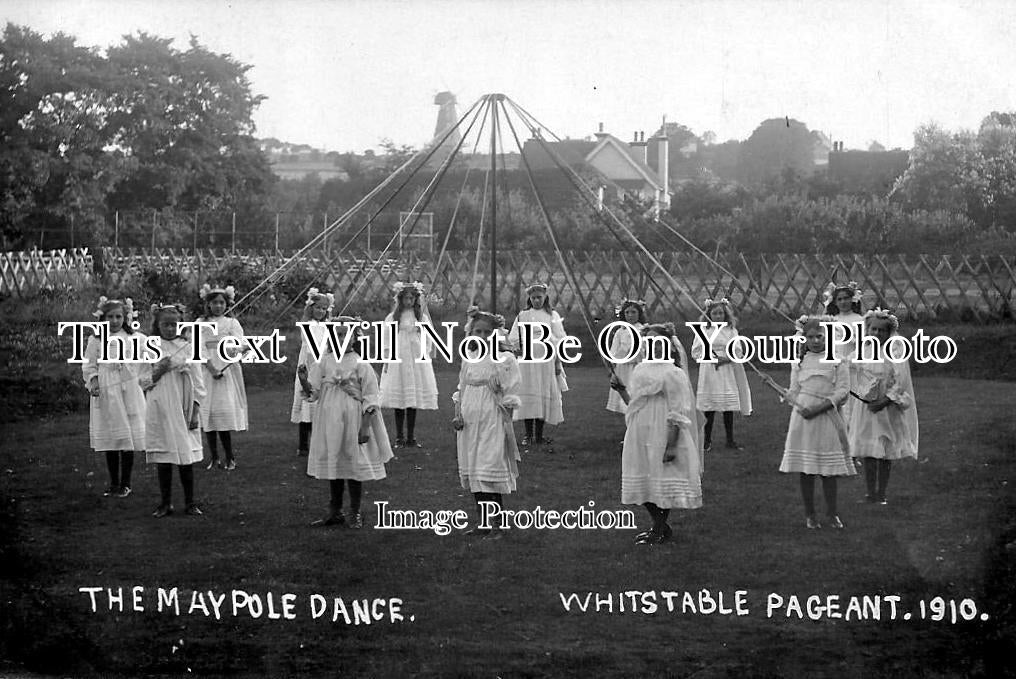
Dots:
(976, 288)
(31, 271)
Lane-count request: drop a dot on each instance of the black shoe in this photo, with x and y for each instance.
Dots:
(399, 443)
(734, 445)
(413, 443)
(356, 520)
(162, 511)
(525, 442)
(193, 510)
(230, 466)
(707, 446)
(868, 500)
(213, 464)
(834, 522)
(122, 492)
(652, 538)
(333, 519)
(110, 491)
(812, 523)
(882, 501)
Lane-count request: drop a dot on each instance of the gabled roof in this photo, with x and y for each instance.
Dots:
(572, 152)
(625, 151)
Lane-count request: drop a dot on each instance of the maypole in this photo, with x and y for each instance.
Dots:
(493, 99)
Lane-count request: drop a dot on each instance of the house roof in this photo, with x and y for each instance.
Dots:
(572, 152)
(649, 175)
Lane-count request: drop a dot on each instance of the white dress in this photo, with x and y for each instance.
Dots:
(661, 394)
(171, 407)
(540, 391)
(409, 383)
(303, 409)
(117, 415)
(225, 409)
(620, 345)
(891, 433)
(343, 390)
(721, 387)
(819, 445)
(487, 452)
(845, 351)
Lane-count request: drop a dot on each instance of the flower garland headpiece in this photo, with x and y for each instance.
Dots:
(156, 308)
(106, 304)
(313, 295)
(830, 292)
(884, 315)
(474, 313)
(541, 287)
(619, 309)
(207, 291)
(708, 304)
(806, 319)
(416, 286)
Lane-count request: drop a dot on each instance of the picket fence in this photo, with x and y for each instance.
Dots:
(976, 288)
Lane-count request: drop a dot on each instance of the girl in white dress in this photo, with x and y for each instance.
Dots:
(843, 303)
(175, 389)
(319, 305)
(488, 392)
(816, 438)
(633, 312)
(349, 442)
(542, 382)
(225, 409)
(722, 386)
(116, 422)
(661, 464)
(883, 427)
(409, 385)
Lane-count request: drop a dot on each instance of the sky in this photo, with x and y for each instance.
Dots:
(344, 74)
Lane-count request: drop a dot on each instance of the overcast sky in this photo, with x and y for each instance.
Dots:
(343, 74)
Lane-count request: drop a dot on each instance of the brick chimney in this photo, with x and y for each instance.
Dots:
(639, 147)
(601, 134)
(663, 163)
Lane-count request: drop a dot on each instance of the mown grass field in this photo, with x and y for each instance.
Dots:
(492, 608)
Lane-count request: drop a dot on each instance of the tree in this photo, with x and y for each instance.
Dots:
(184, 122)
(946, 172)
(53, 112)
(774, 146)
(997, 142)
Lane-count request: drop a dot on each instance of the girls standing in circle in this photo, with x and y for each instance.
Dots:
(722, 386)
(409, 385)
(661, 464)
(488, 392)
(175, 389)
(540, 391)
(883, 423)
(225, 409)
(633, 312)
(816, 442)
(349, 442)
(116, 424)
(318, 307)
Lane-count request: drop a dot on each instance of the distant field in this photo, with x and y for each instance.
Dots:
(486, 608)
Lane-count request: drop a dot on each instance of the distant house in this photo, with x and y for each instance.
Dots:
(867, 171)
(822, 145)
(623, 168)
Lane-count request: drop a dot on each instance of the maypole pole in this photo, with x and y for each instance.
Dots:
(492, 100)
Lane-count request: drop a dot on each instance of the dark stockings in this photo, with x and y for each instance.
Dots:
(305, 429)
(113, 467)
(486, 497)
(728, 425)
(808, 493)
(165, 471)
(876, 476)
(659, 517)
(227, 444)
(336, 487)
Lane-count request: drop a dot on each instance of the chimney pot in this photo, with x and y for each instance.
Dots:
(601, 127)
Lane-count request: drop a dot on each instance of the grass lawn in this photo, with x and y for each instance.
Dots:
(492, 608)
